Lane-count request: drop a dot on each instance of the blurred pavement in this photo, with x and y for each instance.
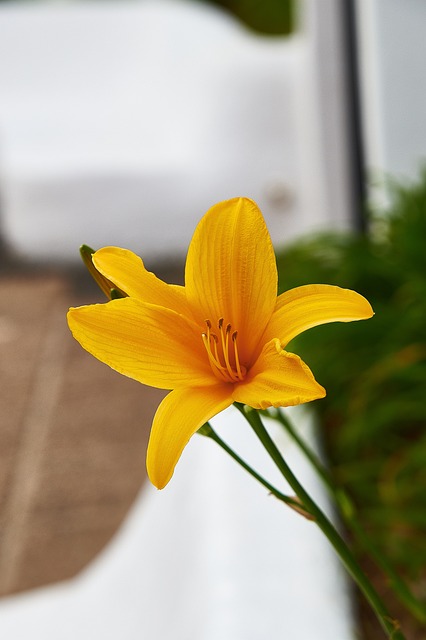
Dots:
(73, 436)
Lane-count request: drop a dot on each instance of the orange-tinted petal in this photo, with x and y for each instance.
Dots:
(179, 416)
(278, 379)
(311, 305)
(231, 270)
(127, 271)
(151, 344)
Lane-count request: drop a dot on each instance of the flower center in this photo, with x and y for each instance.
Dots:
(222, 351)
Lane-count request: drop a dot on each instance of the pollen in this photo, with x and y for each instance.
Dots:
(222, 352)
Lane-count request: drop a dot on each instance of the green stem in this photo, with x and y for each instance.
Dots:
(389, 625)
(312, 457)
(348, 513)
(207, 431)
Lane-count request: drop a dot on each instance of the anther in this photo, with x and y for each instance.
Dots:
(228, 328)
(220, 323)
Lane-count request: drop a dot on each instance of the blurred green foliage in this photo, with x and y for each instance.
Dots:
(374, 371)
(271, 17)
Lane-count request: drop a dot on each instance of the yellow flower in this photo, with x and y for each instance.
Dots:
(218, 340)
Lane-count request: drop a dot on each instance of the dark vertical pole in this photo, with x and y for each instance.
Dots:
(353, 106)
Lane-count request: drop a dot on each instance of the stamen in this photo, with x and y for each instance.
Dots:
(237, 360)
(226, 352)
(214, 361)
(212, 358)
(222, 337)
(215, 341)
(225, 365)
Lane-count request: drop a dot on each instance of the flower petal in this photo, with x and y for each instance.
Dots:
(127, 271)
(179, 416)
(151, 344)
(231, 270)
(278, 379)
(311, 305)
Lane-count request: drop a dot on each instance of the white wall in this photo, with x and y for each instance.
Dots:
(393, 57)
(123, 122)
